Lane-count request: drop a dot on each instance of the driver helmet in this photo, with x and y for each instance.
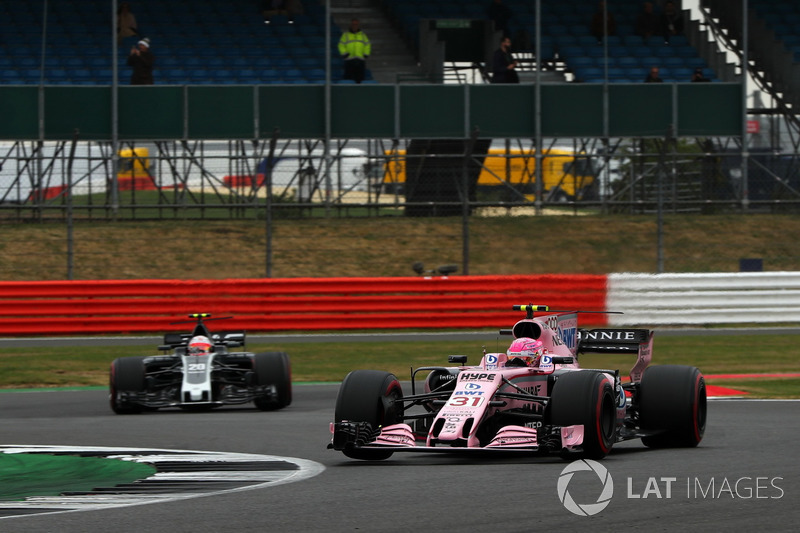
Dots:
(527, 349)
(199, 345)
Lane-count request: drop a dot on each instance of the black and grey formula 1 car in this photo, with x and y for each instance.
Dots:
(197, 371)
(532, 398)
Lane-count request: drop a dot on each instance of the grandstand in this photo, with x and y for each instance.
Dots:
(226, 42)
(197, 42)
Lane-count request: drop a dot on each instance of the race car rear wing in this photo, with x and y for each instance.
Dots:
(619, 341)
(611, 340)
(230, 339)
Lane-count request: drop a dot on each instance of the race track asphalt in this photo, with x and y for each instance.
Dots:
(743, 476)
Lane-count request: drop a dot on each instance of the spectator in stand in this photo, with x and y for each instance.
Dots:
(355, 48)
(698, 76)
(503, 64)
(293, 8)
(602, 14)
(141, 59)
(671, 21)
(270, 8)
(126, 23)
(647, 23)
(501, 15)
(653, 77)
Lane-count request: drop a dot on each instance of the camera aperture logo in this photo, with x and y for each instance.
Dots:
(585, 509)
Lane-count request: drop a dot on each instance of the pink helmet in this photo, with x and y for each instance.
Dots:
(527, 349)
(199, 345)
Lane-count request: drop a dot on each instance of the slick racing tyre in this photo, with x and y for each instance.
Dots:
(585, 397)
(273, 368)
(127, 375)
(369, 396)
(672, 399)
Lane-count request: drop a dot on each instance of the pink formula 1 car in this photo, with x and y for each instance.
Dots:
(533, 398)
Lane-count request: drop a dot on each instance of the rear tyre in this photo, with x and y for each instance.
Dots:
(126, 375)
(672, 399)
(584, 397)
(369, 396)
(273, 368)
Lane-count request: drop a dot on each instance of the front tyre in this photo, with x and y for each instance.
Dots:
(672, 400)
(127, 374)
(587, 398)
(369, 396)
(273, 368)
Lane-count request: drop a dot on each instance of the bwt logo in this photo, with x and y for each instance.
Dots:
(585, 509)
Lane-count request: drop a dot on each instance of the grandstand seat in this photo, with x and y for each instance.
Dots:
(315, 74)
(673, 62)
(589, 73)
(682, 74)
(629, 62)
(580, 61)
(617, 50)
(655, 41)
(695, 62)
(684, 51)
(635, 73)
(247, 75)
(678, 40)
(585, 40)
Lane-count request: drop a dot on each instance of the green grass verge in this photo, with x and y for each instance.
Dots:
(25, 368)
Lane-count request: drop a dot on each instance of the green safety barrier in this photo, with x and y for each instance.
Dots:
(371, 111)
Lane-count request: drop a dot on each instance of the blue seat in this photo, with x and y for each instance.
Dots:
(640, 51)
(616, 72)
(581, 61)
(695, 62)
(629, 62)
(678, 40)
(635, 73)
(175, 74)
(587, 73)
(684, 51)
(224, 75)
(247, 75)
(292, 73)
(571, 52)
(682, 74)
(654, 40)
(269, 74)
(80, 74)
(618, 50)
(316, 74)
(673, 62)
(595, 51)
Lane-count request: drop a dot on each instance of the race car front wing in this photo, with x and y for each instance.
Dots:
(171, 396)
(401, 437)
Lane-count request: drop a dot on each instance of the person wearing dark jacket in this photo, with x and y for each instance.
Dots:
(653, 76)
(141, 59)
(504, 64)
